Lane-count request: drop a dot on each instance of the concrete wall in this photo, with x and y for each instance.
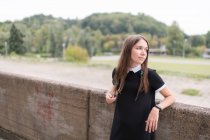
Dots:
(43, 110)
(38, 109)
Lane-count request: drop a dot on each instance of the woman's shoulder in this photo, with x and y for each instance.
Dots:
(154, 79)
(151, 71)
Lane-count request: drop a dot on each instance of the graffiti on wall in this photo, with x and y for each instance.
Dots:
(44, 106)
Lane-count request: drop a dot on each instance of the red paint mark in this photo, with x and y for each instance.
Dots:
(50, 94)
(37, 89)
(45, 110)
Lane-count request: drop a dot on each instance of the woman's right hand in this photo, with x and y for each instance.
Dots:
(110, 98)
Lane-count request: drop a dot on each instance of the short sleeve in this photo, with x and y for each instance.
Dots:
(155, 81)
(113, 74)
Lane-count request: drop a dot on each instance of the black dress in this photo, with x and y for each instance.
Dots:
(130, 115)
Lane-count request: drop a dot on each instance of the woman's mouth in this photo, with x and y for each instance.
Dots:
(141, 58)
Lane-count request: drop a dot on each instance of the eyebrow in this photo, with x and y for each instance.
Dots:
(143, 47)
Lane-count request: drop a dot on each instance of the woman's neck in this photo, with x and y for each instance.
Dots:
(134, 65)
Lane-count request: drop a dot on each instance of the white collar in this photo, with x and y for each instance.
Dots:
(135, 69)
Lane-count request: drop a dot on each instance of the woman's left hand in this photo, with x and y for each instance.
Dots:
(152, 120)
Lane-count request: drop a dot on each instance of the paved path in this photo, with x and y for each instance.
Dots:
(101, 78)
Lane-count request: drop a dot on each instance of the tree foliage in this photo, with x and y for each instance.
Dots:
(197, 40)
(76, 53)
(118, 23)
(98, 33)
(175, 40)
(208, 39)
(16, 41)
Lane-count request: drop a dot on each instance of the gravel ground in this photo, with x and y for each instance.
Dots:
(101, 78)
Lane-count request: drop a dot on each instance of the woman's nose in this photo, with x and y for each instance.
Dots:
(143, 53)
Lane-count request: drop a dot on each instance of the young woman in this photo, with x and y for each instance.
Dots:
(134, 86)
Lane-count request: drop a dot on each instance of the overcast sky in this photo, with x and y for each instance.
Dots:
(193, 16)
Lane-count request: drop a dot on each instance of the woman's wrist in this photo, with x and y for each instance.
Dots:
(159, 107)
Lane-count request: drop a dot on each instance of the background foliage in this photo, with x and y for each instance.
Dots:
(98, 33)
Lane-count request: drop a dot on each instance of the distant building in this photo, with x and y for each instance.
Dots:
(158, 51)
(206, 53)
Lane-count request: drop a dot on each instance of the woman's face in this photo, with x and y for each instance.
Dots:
(139, 53)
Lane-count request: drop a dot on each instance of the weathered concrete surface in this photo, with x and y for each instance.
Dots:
(8, 135)
(38, 109)
(43, 110)
(101, 115)
(178, 122)
(184, 122)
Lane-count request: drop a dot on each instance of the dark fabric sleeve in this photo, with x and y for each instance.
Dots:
(155, 80)
(113, 73)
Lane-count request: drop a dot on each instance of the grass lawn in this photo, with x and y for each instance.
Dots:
(190, 67)
(192, 70)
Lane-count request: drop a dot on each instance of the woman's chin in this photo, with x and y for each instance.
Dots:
(140, 62)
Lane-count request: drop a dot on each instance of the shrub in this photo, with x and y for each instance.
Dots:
(75, 54)
(190, 92)
(195, 52)
(13, 54)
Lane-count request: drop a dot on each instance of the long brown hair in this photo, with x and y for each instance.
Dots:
(124, 64)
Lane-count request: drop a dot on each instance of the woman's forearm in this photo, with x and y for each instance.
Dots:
(169, 100)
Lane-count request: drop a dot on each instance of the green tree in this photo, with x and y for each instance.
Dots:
(52, 45)
(120, 23)
(57, 28)
(175, 40)
(87, 41)
(16, 41)
(208, 39)
(113, 43)
(197, 40)
(4, 35)
(108, 45)
(72, 35)
(40, 38)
